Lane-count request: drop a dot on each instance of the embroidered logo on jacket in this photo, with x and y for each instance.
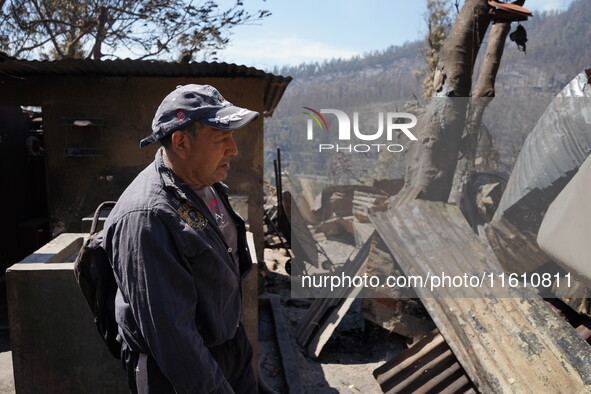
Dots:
(192, 217)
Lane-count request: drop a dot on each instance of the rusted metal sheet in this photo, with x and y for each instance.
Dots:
(514, 343)
(428, 366)
(294, 227)
(580, 321)
(274, 85)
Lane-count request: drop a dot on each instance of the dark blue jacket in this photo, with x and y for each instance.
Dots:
(179, 286)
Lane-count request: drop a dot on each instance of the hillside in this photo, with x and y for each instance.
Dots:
(557, 50)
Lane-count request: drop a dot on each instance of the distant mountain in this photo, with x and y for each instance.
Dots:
(557, 50)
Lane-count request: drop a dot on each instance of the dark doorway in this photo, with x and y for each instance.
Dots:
(25, 224)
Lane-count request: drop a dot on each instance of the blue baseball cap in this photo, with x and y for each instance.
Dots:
(196, 103)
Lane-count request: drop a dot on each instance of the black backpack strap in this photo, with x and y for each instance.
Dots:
(104, 206)
(96, 280)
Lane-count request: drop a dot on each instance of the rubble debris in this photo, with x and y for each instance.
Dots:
(338, 200)
(288, 358)
(363, 201)
(403, 316)
(584, 330)
(325, 313)
(580, 321)
(390, 187)
(429, 366)
(395, 310)
(488, 198)
(306, 202)
(295, 229)
(340, 226)
(479, 212)
(517, 251)
(319, 237)
(362, 231)
(508, 341)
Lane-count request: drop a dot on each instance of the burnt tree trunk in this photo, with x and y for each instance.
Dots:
(483, 93)
(432, 159)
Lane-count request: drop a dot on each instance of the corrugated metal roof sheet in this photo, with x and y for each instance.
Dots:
(549, 158)
(506, 338)
(275, 85)
(428, 366)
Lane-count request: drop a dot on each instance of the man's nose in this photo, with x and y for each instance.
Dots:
(232, 149)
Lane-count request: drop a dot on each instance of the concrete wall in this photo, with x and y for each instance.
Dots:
(55, 344)
(56, 347)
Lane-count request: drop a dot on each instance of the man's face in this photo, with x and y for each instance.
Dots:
(210, 152)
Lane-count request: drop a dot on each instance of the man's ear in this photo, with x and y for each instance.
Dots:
(179, 144)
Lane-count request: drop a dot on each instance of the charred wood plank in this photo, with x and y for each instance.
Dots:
(288, 357)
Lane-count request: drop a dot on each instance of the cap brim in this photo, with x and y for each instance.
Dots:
(147, 141)
(226, 118)
(229, 118)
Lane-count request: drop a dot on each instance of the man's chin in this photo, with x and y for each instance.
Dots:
(221, 175)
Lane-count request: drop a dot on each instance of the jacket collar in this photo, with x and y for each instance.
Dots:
(172, 182)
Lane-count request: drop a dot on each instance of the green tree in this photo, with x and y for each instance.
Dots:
(58, 29)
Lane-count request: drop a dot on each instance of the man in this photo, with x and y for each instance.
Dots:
(179, 252)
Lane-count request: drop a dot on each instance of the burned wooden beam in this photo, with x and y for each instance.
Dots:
(288, 357)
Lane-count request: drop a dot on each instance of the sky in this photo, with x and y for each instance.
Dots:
(316, 30)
